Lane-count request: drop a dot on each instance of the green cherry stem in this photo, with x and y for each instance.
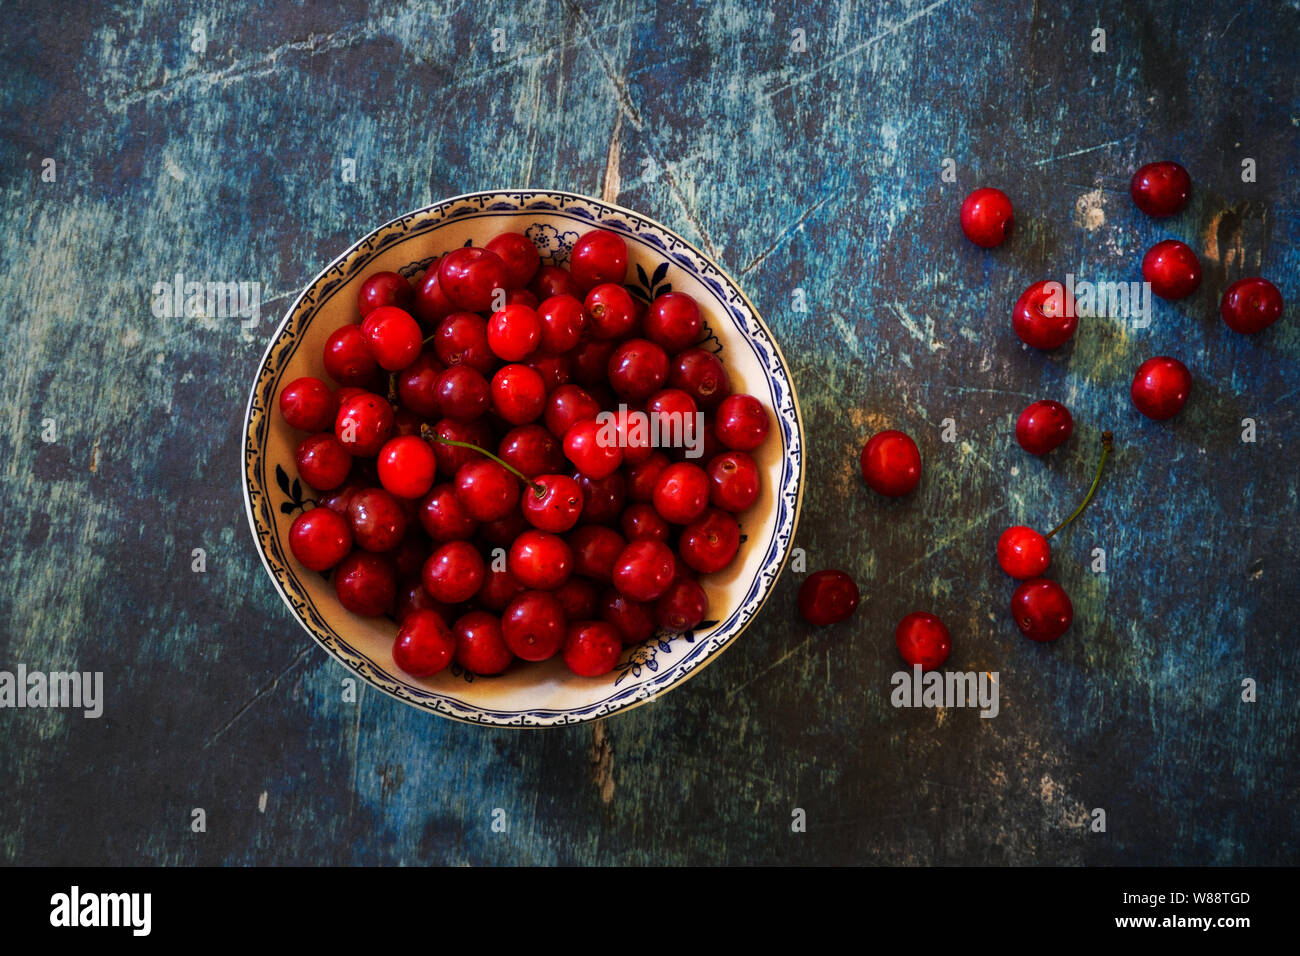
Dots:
(428, 434)
(1107, 440)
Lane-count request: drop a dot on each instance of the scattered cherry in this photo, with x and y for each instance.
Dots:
(923, 640)
(1044, 316)
(1161, 189)
(827, 597)
(1172, 269)
(1042, 426)
(891, 463)
(986, 217)
(1160, 387)
(1041, 609)
(1251, 305)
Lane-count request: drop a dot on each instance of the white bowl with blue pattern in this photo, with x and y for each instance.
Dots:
(546, 694)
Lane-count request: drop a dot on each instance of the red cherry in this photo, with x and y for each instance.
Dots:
(1044, 316)
(742, 422)
(733, 481)
(444, 516)
(454, 572)
(642, 521)
(611, 310)
(519, 256)
(566, 406)
(514, 333)
(378, 519)
(320, 538)
(561, 319)
(644, 569)
(480, 647)
(1172, 269)
(540, 560)
(637, 369)
(710, 543)
(393, 337)
(347, 358)
(578, 597)
(1041, 609)
(922, 639)
(462, 339)
(986, 217)
(487, 490)
(363, 424)
(417, 386)
(533, 626)
(634, 620)
(602, 498)
(470, 278)
(553, 280)
(673, 322)
(681, 492)
(1043, 426)
(407, 466)
(598, 256)
(1251, 305)
(682, 607)
(827, 597)
(591, 451)
(891, 463)
(463, 394)
(452, 458)
(322, 461)
(700, 374)
(430, 304)
(366, 584)
(424, 644)
(384, 289)
(1023, 552)
(1160, 387)
(1161, 189)
(532, 450)
(518, 394)
(596, 550)
(558, 506)
(591, 648)
(307, 403)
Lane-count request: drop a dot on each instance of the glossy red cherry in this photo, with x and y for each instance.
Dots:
(637, 369)
(393, 337)
(424, 645)
(1251, 305)
(588, 445)
(682, 607)
(553, 280)
(307, 403)
(681, 492)
(462, 339)
(444, 516)
(431, 304)
(533, 626)
(591, 648)
(346, 357)
(673, 322)
(611, 311)
(602, 498)
(378, 519)
(566, 406)
(710, 542)
(1043, 426)
(561, 319)
(1160, 387)
(486, 489)
(1041, 609)
(1172, 269)
(320, 538)
(470, 278)
(519, 256)
(480, 647)
(365, 583)
(1044, 316)
(1161, 189)
(518, 394)
(407, 466)
(596, 550)
(922, 639)
(598, 256)
(986, 217)
(642, 521)
(633, 620)
(363, 424)
(557, 507)
(384, 289)
(741, 423)
(733, 481)
(322, 461)
(532, 450)
(454, 572)
(700, 374)
(644, 570)
(514, 333)
(417, 386)
(540, 560)
(1023, 552)
(463, 394)
(827, 597)
(891, 463)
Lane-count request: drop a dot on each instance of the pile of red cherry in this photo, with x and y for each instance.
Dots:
(466, 487)
(1046, 319)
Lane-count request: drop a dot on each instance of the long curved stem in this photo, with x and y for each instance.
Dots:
(1107, 440)
(428, 434)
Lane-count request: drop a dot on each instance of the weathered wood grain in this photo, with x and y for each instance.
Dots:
(815, 170)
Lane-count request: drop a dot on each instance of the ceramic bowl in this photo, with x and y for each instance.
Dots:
(527, 695)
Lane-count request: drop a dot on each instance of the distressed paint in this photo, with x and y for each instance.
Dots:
(816, 170)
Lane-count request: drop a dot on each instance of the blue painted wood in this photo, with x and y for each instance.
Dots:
(816, 170)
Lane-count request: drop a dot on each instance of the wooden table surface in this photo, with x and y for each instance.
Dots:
(816, 169)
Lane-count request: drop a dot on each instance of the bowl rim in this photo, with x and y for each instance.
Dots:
(530, 718)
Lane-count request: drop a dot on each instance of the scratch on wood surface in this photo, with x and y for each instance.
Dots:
(789, 231)
(1080, 152)
(262, 692)
(602, 761)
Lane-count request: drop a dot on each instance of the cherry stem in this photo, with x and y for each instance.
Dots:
(1107, 440)
(429, 435)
